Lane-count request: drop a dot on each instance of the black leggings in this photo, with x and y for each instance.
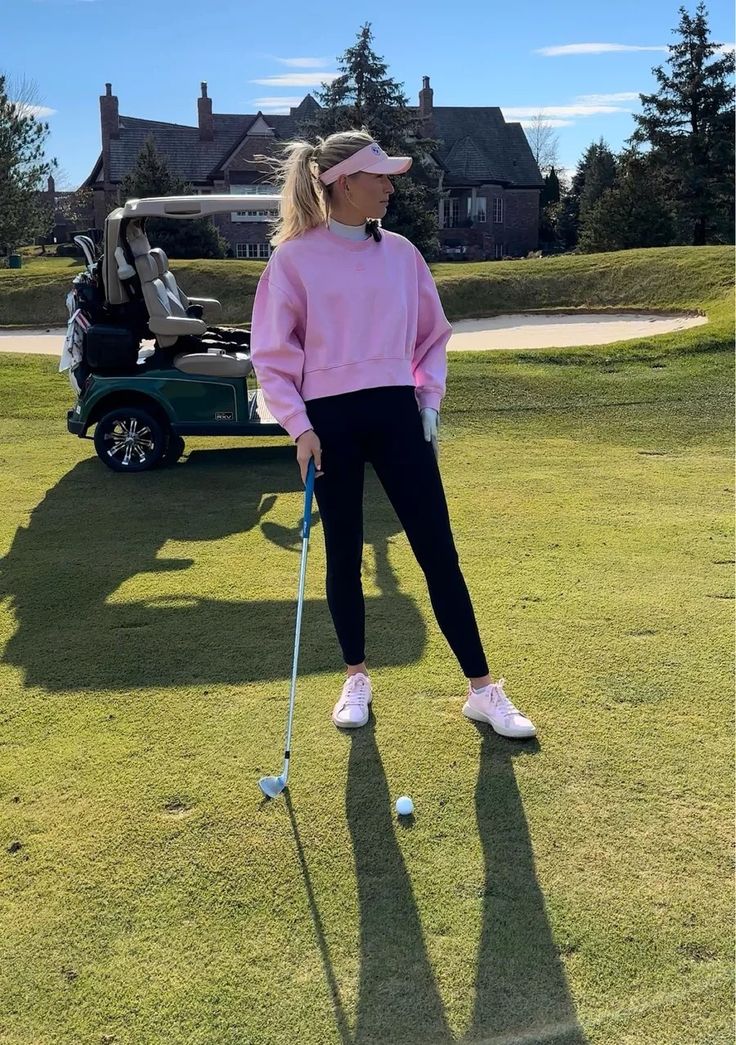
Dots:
(383, 426)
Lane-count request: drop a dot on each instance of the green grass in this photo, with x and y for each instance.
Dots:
(573, 889)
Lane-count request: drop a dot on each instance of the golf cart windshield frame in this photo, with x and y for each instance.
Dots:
(196, 206)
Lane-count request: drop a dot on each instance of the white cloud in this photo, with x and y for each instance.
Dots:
(298, 79)
(560, 111)
(275, 101)
(725, 48)
(583, 105)
(548, 123)
(565, 173)
(303, 63)
(39, 111)
(604, 99)
(596, 48)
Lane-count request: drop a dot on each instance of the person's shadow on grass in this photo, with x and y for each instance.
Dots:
(521, 989)
(81, 625)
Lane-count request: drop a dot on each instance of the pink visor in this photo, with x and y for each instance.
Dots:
(372, 159)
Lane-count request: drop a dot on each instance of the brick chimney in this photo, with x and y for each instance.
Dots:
(425, 98)
(109, 114)
(110, 124)
(204, 116)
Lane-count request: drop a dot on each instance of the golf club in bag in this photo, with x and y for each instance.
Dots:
(272, 786)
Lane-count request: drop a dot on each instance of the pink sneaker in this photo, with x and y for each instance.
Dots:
(491, 705)
(352, 709)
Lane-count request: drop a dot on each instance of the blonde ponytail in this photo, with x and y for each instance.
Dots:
(305, 200)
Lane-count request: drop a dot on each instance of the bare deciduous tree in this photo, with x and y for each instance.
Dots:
(543, 142)
(25, 95)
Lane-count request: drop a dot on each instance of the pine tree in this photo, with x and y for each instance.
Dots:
(186, 238)
(595, 172)
(689, 125)
(549, 208)
(551, 191)
(632, 213)
(598, 174)
(363, 97)
(23, 170)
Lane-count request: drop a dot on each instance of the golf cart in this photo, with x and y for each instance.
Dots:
(194, 379)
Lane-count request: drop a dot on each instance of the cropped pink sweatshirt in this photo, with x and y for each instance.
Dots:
(335, 315)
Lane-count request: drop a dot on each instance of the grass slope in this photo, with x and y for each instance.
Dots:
(686, 278)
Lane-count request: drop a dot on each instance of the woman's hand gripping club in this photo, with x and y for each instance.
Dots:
(308, 446)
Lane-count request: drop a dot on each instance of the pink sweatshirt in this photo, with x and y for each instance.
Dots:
(336, 315)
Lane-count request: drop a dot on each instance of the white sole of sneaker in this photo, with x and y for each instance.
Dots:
(478, 716)
(354, 725)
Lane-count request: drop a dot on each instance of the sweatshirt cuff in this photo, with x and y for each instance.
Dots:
(432, 399)
(297, 424)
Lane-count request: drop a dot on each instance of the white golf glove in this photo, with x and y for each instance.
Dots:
(430, 424)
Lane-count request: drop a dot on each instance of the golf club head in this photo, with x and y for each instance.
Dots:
(272, 786)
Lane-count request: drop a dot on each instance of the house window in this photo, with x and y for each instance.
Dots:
(252, 215)
(499, 251)
(498, 208)
(451, 212)
(255, 213)
(253, 251)
(480, 209)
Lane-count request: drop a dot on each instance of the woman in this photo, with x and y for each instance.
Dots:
(348, 340)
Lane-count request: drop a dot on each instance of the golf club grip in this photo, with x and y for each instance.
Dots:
(308, 493)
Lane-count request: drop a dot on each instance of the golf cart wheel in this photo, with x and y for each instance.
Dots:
(174, 450)
(130, 439)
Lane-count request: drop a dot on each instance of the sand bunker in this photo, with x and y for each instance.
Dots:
(46, 342)
(527, 330)
(518, 330)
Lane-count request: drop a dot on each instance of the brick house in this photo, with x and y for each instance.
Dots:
(485, 169)
(62, 225)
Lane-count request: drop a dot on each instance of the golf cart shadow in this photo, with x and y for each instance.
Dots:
(102, 602)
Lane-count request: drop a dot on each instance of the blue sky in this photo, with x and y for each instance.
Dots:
(580, 63)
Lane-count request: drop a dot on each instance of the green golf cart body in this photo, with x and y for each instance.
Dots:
(193, 379)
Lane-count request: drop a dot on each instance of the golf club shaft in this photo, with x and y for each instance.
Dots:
(300, 602)
(287, 744)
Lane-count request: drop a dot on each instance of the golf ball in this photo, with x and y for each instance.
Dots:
(404, 806)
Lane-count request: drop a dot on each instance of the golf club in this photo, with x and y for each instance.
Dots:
(272, 786)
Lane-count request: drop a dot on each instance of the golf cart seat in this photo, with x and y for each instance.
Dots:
(167, 316)
(215, 362)
(201, 305)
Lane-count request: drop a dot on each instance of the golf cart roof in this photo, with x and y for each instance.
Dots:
(196, 206)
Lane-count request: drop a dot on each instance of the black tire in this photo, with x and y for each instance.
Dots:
(147, 435)
(174, 450)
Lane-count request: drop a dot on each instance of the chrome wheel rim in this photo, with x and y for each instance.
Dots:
(131, 444)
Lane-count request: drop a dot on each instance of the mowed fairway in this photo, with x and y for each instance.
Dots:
(576, 888)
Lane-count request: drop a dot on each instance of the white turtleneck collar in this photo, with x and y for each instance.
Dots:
(356, 232)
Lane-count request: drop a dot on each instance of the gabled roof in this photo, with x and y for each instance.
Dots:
(477, 145)
(257, 128)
